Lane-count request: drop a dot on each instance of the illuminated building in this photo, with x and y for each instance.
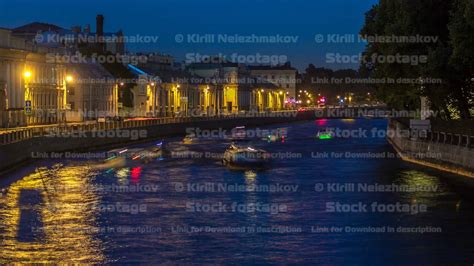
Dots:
(32, 86)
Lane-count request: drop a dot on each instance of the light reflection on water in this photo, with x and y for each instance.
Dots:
(65, 226)
(61, 202)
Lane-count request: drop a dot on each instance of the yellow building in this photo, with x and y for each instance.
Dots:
(267, 97)
(32, 84)
(282, 76)
(222, 80)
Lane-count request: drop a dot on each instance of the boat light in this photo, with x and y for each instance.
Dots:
(326, 136)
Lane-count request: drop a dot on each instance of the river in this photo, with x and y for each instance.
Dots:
(333, 201)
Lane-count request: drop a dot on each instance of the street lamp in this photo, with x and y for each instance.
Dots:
(27, 74)
(69, 78)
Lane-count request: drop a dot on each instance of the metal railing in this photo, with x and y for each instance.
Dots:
(20, 134)
(435, 136)
(15, 136)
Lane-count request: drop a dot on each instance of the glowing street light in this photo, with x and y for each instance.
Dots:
(69, 78)
(27, 74)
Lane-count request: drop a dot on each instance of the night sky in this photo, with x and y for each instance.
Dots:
(166, 18)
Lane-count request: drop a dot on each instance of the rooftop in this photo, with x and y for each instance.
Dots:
(286, 66)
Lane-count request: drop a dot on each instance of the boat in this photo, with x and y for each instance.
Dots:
(325, 134)
(126, 156)
(276, 135)
(245, 157)
(190, 139)
(273, 138)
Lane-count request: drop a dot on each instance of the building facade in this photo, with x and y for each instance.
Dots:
(32, 86)
(221, 81)
(91, 92)
(283, 76)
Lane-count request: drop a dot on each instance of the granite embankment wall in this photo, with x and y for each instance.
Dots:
(88, 138)
(441, 150)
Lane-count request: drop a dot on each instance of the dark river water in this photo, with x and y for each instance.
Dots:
(319, 201)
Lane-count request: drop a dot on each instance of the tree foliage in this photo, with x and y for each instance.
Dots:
(449, 58)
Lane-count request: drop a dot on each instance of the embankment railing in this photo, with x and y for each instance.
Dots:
(15, 135)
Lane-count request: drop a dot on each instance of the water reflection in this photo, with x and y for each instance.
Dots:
(49, 216)
(61, 202)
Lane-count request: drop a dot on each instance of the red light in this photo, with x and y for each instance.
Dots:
(321, 122)
(135, 174)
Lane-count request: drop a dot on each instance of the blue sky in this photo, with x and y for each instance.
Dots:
(166, 18)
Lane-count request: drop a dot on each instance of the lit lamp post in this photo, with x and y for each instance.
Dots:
(281, 100)
(27, 76)
(69, 80)
(153, 91)
(120, 96)
(28, 101)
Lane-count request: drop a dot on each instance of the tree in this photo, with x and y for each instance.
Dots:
(422, 18)
(461, 29)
